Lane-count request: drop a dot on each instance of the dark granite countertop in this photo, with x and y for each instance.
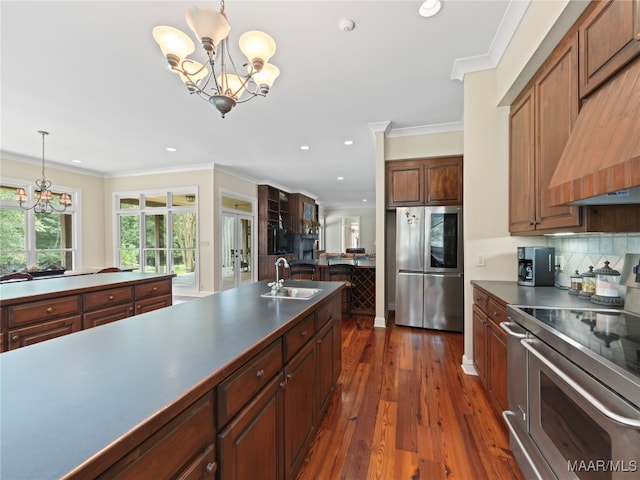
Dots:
(65, 400)
(514, 294)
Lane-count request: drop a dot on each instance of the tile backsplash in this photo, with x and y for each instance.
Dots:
(582, 251)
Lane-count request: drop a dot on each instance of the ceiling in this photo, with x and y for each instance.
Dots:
(91, 74)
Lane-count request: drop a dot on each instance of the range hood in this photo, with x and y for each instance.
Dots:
(600, 164)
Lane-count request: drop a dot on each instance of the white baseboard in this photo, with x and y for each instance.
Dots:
(468, 366)
(380, 322)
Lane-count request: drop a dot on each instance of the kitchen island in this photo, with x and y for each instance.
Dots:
(183, 390)
(364, 280)
(38, 310)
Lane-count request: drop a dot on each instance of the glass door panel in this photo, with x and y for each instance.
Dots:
(237, 260)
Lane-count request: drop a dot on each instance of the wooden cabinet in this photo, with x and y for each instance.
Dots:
(278, 396)
(609, 39)
(273, 210)
(540, 122)
(184, 448)
(299, 407)
(297, 205)
(480, 342)
(107, 306)
(25, 321)
(490, 346)
(251, 446)
(429, 181)
(35, 322)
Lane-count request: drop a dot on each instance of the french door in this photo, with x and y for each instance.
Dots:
(237, 253)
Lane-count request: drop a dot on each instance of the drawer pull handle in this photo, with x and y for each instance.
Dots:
(303, 333)
(211, 467)
(110, 297)
(49, 310)
(260, 373)
(15, 338)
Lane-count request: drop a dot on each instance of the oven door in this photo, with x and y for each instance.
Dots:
(583, 429)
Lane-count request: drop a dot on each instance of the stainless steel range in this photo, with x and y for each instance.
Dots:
(574, 389)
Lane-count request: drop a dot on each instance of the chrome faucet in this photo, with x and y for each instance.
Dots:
(277, 285)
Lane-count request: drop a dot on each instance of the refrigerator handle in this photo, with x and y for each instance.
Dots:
(444, 274)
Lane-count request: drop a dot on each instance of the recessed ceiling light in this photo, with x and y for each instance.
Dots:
(348, 142)
(364, 199)
(340, 178)
(429, 8)
(76, 161)
(305, 147)
(170, 149)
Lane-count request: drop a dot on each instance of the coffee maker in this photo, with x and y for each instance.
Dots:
(536, 266)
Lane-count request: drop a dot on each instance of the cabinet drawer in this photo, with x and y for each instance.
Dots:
(324, 313)
(153, 303)
(106, 315)
(153, 289)
(173, 449)
(106, 298)
(496, 312)
(236, 391)
(22, 337)
(44, 310)
(480, 298)
(295, 338)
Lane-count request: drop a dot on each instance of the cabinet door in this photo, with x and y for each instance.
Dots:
(497, 375)
(609, 38)
(556, 100)
(443, 180)
(251, 446)
(405, 184)
(299, 407)
(521, 164)
(21, 337)
(480, 342)
(325, 349)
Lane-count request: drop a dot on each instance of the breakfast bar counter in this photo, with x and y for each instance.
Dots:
(164, 391)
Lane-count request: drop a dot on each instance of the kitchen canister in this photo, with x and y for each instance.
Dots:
(588, 284)
(576, 284)
(607, 280)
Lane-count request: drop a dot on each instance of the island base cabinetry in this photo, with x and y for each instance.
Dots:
(270, 408)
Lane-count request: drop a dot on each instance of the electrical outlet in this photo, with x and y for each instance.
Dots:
(481, 260)
(560, 263)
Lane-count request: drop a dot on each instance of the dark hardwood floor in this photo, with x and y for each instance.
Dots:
(404, 410)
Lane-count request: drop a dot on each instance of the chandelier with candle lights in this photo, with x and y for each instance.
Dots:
(42, 197)
(218, 80)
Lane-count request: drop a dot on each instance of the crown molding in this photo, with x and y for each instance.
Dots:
(18, 157)
(426, 129)
(508, 26)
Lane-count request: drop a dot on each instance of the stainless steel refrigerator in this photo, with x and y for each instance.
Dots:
(429, 264)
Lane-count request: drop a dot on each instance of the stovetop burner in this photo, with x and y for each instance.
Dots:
(612, 334)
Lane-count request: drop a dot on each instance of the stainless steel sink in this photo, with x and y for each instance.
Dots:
(296, 293)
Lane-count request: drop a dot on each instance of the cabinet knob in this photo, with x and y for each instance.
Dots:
(283, 383)
(289, 376)
(110, 297)
(211, 467)
(303, 333)
(15, 338)
(259, 373)
(49, 310)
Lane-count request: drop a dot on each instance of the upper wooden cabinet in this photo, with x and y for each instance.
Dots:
(540, 123)
(609, 39)
(427, 181)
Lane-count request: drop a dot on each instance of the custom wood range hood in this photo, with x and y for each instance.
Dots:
(602, 155)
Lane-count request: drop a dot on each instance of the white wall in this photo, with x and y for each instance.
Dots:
(92, 220)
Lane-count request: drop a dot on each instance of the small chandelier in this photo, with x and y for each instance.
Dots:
(226, 87)
(42, 196)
